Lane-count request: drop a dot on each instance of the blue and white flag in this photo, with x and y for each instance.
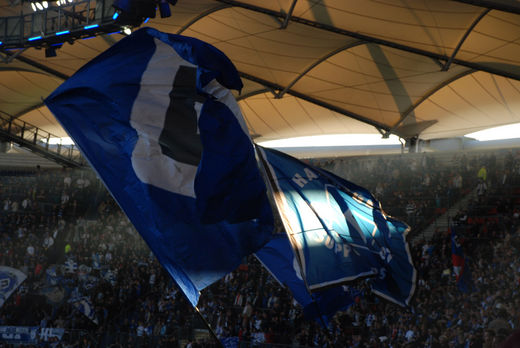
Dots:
(10, 279)
(155, 118)
(338, 230)
(84, 305)
(70, 266)
(278, 257)
(50, 333)
(19, 335)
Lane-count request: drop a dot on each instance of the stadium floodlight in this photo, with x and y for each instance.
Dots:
(63, 2)
(126, 30)
(39, 5)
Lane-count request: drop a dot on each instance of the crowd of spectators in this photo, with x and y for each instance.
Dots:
(417, 188)
(64, 231)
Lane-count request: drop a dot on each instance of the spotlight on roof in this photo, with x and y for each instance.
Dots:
(39, 5)
(164, 9)
(126, 30)
(134, 12)
(50, 52)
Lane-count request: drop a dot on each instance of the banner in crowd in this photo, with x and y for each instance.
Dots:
(51, 334)
(338, 230)
(166, 136)
(19, 334)
(10, 279)
(29, 334)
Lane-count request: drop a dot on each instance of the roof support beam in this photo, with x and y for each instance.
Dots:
(495, 5)
(316, 63)
(29, 109)
(372, 39)
(200, 16)
(42, 67)
(427, 95)
(288, 16)
(9, 58)
(379, 126)
(257, 92)
(464, 37)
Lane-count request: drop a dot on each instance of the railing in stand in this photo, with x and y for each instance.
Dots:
(40, 141)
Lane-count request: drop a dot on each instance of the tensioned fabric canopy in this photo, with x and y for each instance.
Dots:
(426, 68)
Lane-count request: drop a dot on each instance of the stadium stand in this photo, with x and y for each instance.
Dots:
(64, 231)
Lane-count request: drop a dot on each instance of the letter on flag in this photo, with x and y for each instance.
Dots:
(10, 279)
(155, 118)
(338, 230)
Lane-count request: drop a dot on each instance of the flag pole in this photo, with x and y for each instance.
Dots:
(212, 333)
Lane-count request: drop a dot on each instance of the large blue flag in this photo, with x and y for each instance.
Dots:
(155, 118)
(338, 230)
(278, 257)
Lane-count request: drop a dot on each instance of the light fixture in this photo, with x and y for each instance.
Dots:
(63, 2)
(126, 30)
(134, 12)
(164, 9)
(50, 52)
(39, 5)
